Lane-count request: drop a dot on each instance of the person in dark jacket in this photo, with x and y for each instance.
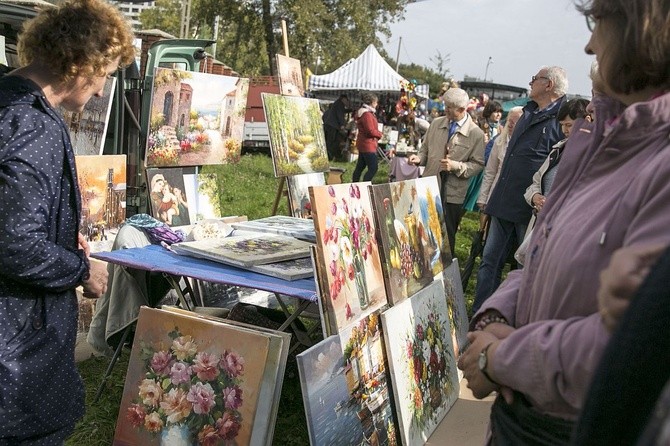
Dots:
(66, 52)
(366, 141)
(334, 126)
(534, 136)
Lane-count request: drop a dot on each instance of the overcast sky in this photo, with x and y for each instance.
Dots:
(519, 35)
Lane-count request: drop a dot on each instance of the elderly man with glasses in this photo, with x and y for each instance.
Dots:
(534, 135)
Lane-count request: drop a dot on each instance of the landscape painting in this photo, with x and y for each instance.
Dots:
(191, 380)
(88, 128)
(421, 359)
(298, 192)
(412, 233)
(347, 253)
(290, 76)
(167, 196)
(195, 118)
(458, 314)
(297, 140)
(201, 195)
(246, 250)
(346, 388)
(102, 184)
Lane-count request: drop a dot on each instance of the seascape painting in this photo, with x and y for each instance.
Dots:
(290, 76)
(421, 359)
(195, 119)
(88, 128)
(298, 192)
(346, 388)
(297, 140)
(246, 250)
(167, 196)
(102, 184)
(347, 253)
(412, 233)
(201, 195)
(458, 314)
(191, 380)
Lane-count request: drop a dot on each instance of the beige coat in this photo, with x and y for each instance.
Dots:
(466, 150)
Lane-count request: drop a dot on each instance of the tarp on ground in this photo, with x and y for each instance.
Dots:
(367, 72)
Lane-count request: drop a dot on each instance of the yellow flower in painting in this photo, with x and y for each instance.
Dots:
(418, 398)
(430, 336)
(150, 392)
(184, 347)
(153, 422)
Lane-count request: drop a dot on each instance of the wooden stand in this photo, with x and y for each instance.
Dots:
(281, 191)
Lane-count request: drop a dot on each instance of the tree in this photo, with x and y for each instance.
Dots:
(165, 15)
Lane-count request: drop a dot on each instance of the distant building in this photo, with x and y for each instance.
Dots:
(497, 92)
(132, 11)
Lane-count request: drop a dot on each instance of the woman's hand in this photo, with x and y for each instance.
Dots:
(620, 281)
(83, 244)
(96, 285)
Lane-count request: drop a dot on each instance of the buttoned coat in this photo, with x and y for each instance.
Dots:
(466, 151)
(40, 266)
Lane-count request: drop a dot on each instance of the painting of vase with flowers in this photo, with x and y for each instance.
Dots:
(347, 253)
(412, 235)
(191, 381)
(420, 352)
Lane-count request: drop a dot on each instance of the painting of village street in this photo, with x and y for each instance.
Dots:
(89, 127)
(345, 388)
(102, 183)
(296, 134)
(195, 119)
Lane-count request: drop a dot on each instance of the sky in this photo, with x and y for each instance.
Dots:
(520, 36)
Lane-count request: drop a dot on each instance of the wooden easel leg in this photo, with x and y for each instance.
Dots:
(280, 192)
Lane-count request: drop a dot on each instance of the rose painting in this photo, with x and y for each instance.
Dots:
(190, 381)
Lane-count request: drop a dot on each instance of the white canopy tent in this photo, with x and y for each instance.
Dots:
(367, 72)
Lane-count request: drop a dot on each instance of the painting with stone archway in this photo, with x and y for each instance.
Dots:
(195, 118)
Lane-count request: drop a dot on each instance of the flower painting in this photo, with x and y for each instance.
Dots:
(413, 243)
(458, 316)
(346, 388)
(195, 118)
(296, 134)
(422, 362)
(191, 380)
(347, 253)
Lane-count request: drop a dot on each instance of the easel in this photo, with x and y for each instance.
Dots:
(282, 181)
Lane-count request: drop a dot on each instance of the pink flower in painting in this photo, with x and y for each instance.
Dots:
(150, 392)
(228, 425)
(153, 422)
(331, 191)
(176, 406)
(350, 272)
(161, 363)
(349, 313)
(202, 397)
(208, 436)
(333, 268)
(205, 366)
(333, 208)
(232, 397)
(232, 363)
(135, 415)
(180, 373)
(184, 348)
(419, 332)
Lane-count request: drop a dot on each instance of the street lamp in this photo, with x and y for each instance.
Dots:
(490, 61)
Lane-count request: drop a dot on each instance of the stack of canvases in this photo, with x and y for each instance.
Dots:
(380, 260)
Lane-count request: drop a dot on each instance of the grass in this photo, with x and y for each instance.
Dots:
(247, 188)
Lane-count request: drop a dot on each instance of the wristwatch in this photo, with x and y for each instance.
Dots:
(484, 361)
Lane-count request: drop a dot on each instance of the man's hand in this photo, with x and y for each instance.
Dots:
(446, 164)
(538, 201)
(96, 285)
(414, 159)
(627, 270)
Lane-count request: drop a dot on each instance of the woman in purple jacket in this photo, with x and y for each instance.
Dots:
(539, 337)
(366, 141)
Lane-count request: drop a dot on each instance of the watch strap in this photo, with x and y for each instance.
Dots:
(483, 370)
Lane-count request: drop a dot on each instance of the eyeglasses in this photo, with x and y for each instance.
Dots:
(534, 78)
(590, 22)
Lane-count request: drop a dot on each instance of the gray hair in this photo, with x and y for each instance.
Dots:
(456, 97)
(560, 79)
(368, 98)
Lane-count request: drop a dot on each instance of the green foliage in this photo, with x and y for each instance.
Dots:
(423, 75)
(157, 121)
(165, 15)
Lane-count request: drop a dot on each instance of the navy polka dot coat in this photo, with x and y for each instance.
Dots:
(40, 389)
